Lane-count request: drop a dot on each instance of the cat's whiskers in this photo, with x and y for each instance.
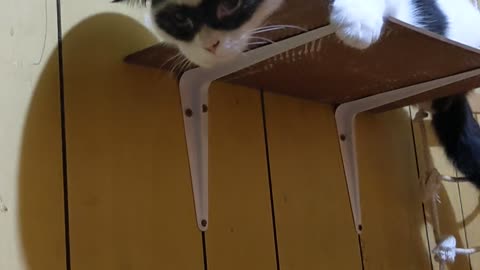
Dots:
(282, 26)
(177, 64)
(237, 48)
(263, 39)
(265, 27)
(257, 43)
(269, 28)
(185, 65)
(180, 66)
(178, 54)
(266, 30)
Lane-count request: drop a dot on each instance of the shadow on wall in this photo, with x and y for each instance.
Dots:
(41, 188)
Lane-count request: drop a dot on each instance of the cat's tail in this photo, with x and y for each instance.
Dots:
(459, 133)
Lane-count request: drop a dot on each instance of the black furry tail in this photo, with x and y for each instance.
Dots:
(459, 133)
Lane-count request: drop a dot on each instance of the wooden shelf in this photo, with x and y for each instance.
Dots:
(328, 71)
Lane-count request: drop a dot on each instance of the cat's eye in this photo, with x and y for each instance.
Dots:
(182, 20)
(227, 8)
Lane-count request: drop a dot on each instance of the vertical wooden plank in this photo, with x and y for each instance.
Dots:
(470, 197)
(394, 228)
(131, 203)
(314, 222)
(31, 186)
(450, 208)
(240, 235)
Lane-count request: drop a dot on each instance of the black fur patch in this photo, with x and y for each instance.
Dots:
(234, 21)
(203, 14)
(430, 16)
(453, 121)
(459, 133)
(166, 19)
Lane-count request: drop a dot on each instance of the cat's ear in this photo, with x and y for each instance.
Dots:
(142, 3)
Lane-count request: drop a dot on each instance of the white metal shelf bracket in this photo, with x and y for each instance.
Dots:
(194, 85)
(345, 116)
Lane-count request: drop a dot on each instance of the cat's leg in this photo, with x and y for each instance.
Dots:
(359, 22)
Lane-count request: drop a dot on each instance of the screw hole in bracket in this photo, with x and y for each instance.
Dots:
(189, 112)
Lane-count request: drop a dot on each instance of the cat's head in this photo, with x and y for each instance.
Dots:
(209, 32)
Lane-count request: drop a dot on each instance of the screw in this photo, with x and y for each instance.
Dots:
(188, 112)
(360, 228)
(204, 108)
(343, 137)
(204, 223)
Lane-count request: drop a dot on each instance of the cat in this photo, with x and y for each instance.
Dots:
(209, 32)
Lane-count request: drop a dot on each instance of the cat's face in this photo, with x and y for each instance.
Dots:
(209, 32)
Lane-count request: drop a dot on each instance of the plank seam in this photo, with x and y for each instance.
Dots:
(463, 212)
(464, 224)
(424, 212)
(63, 136)
(204, 248)
(360, 247)
(267, 155)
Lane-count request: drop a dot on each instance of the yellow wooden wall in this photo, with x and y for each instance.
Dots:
(79, 128)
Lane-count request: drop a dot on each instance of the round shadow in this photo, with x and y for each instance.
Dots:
(42, 168)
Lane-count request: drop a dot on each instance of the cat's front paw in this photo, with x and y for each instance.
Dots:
(358, 26)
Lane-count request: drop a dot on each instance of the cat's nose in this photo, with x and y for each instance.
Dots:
(213, 48)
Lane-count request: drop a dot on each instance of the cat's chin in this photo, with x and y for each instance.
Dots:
(208, 61)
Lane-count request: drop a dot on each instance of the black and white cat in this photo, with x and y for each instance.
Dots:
(209, 32)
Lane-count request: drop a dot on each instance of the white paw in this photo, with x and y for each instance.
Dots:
(358, 26)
